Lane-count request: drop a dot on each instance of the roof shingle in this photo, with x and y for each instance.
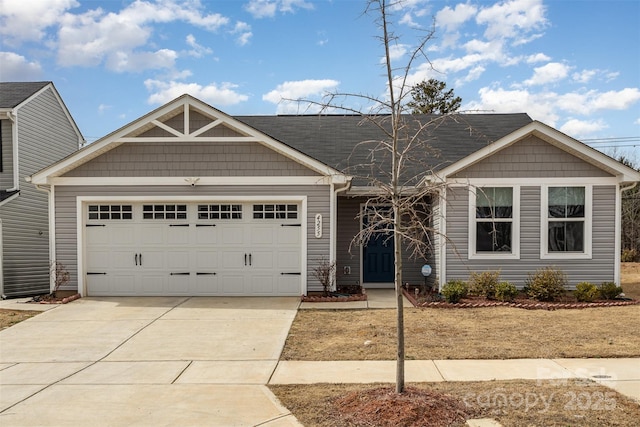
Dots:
(13, 93)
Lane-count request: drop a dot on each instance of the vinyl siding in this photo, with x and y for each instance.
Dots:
(191, 159)
(6, 176)
(66, 222)
(45, 135)
(596, 270)
(531, 158)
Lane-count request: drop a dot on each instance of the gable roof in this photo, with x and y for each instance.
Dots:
(13, 94)
(136, 132)
(552, 136)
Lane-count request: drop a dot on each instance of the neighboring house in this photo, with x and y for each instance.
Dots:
(188, 200)
(36, 130)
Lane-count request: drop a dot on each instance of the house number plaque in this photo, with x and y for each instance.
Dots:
(318, 226)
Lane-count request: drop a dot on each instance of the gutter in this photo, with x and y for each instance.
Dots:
(14, 148)
(333, 226)
(52, 230)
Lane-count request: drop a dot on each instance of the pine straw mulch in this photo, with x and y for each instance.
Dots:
(414, 408)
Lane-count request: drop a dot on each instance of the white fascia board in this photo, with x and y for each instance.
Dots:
(532, 182)
(186, 181)
(185, 101)
(553, 137)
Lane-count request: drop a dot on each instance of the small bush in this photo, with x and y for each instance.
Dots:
(484, 284)
(586, 292)
(630, 255)
(454, 290)
(506, 291)
(609, 290)
(546, 284)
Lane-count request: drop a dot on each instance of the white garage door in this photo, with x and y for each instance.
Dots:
(193, 249)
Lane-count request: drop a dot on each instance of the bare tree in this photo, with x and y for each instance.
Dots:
(399, 206)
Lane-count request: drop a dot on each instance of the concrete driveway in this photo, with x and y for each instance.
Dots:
(146, 361)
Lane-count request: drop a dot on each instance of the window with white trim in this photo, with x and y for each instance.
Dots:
(566, 221)
(110, 212)
(494, 222)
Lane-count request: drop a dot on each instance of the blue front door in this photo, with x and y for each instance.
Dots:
(378, 259)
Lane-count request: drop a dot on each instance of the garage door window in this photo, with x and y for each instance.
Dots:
(219, 211)
(164, 211)
(110, 212)
(274, 211)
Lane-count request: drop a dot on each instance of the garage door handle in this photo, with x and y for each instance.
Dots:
(249, 259)
(180, 274)
(136, 258)
(205, 225)
(205, 274)
(291, 225)
(94, 274)
(96, 225)
(140, 259)
(291, 274)
(245, 259)
(178, 225)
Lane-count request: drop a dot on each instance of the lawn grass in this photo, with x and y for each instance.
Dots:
(511, 403)
(477, 333)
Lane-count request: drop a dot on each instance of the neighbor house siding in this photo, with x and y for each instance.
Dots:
(531, 158)
(191, 159)
(6, 171)
(598, 269)
(45, 135)
(66, 221)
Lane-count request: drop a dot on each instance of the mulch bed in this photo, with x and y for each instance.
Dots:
(414, 408)
(517, 303)
(320, 298)
(52, 299)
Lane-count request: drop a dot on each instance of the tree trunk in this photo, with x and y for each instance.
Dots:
(397, 241)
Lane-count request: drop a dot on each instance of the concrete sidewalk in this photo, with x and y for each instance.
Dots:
(623, 375)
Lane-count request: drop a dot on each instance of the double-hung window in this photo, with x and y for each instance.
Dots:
(494, 223)
(566, 228)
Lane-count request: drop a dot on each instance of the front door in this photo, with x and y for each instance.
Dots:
(378, 258)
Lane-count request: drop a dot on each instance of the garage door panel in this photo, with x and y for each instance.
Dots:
(289, 285)
(220, 254)
(177, 235)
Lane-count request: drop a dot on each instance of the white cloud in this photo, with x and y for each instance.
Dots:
(451, 19)
(268, 8)
(538, 57)
(512, 19)
(300, 89)
(243, 32)
(549, 73)
(118, 39)
(582, 128)
(102, 108)
(22, 21)
(197, 50)
(396, 52)
(214, 94)
(14, 67)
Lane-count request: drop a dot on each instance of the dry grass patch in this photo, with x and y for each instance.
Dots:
(11, 317)
(482, 333)
(630, 279)
(511, 403)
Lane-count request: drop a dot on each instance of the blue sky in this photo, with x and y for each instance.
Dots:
(574, 65)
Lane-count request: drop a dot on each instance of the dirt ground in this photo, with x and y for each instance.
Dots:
(11, 317)
(511, 403)
(630, 279)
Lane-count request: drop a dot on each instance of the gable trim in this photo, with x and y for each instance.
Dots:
(553, 137)
(185, 101)
(192, 181)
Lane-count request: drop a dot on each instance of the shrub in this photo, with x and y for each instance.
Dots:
(586, 292)
(609, 290)
(630, 255)
(484, 284)
(454, 290)
(506, 291)
(546, 284)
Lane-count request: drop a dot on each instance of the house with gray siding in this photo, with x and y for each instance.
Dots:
(36, 130)
(188, 200)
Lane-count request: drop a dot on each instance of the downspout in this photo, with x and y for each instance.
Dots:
(14, 147)
(333, 227)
